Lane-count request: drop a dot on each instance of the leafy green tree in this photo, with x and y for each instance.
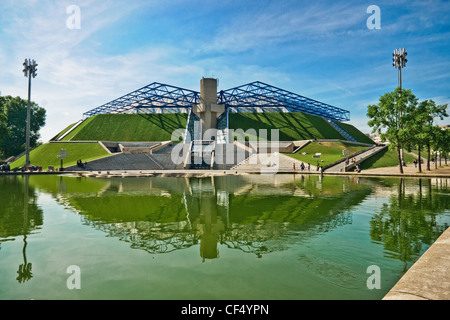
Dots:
(441, 144)
(3, 123)
(445, 145)
(430, 134)
(392, 118)
(13, 139)
(421, 128)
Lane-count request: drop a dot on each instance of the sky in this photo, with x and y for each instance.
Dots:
(90, 52)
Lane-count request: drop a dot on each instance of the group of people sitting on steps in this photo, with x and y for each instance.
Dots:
(81, 164)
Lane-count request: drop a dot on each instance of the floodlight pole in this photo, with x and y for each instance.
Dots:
(27, 161)
(29, 71)
(399, 61)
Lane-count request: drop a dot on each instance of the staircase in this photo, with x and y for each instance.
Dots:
(190, 127)
(158, 160)
(341, 130)
(70, 130)
(201, 154)
(222, 128)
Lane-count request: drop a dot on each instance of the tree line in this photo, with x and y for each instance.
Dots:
(13, 120)
(408, 124)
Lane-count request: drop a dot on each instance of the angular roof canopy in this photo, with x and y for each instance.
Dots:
(255, 94)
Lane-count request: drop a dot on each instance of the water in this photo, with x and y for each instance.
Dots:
(237, 237)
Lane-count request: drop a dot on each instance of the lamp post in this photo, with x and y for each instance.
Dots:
(29, 70)
(399, 62)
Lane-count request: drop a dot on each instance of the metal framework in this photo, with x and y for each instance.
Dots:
(255, 94)
(259, 94)
(155, 95)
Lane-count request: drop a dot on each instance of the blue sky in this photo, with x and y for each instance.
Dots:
(319, 49)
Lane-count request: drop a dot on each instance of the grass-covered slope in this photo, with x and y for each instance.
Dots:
(128, 127)
(47, 154)
(385, 158)
(330, 152)
(159, 127)
(292, 126)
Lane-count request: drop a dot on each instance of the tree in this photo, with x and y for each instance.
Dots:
(430, 134)
(13, 140)
(441, 144)
(3, 123)
(445, 145)
(418, 136)
(392, 117)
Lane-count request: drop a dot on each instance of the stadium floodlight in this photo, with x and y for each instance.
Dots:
(25, 68)
(29, 70)
(34, 68)
(399, 62)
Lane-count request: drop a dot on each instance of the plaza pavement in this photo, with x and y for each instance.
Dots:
(411, 170)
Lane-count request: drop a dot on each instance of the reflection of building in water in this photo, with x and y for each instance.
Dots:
(254, 214)
(203, 206)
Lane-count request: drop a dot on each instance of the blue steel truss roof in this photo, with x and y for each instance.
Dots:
(155, 95)
(259, 94)
(255, 94)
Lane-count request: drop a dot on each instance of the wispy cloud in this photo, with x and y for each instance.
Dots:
(281, 22)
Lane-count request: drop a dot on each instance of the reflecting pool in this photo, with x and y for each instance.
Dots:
(277, 237)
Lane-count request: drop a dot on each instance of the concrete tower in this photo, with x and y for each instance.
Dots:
(208, 110)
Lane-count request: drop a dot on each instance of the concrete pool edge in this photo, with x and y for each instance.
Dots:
(429, 277)
(207, 173)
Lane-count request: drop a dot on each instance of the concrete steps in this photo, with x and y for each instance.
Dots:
(159, 160)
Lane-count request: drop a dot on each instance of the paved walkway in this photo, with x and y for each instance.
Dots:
(358, 158)
(410, 170)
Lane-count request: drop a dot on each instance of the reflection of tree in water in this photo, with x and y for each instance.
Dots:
(20, 217)
(409, 221)
(24, 272)
(15, 197)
